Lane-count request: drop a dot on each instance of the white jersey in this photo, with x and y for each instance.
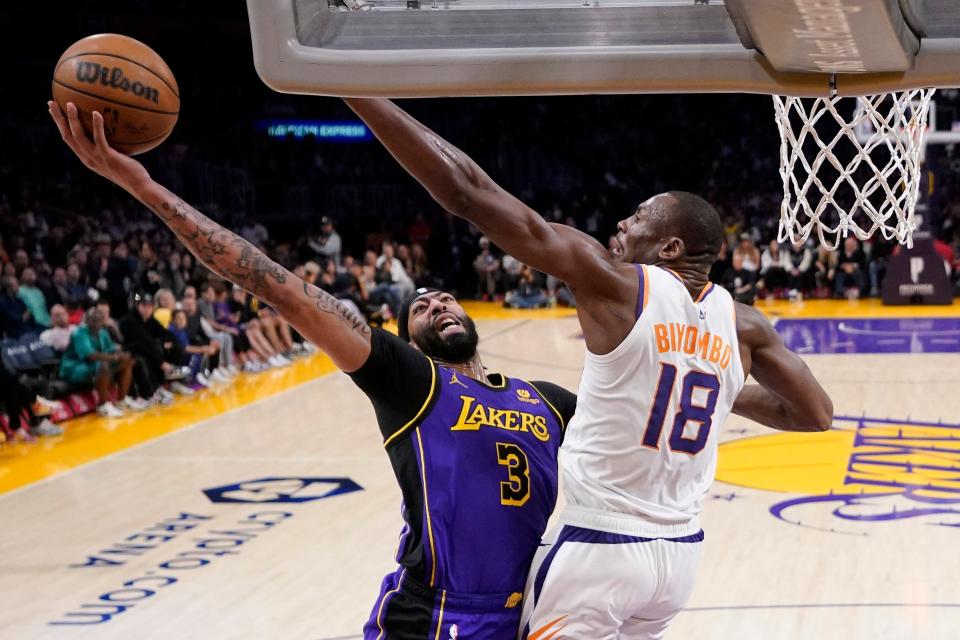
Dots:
(641, 451)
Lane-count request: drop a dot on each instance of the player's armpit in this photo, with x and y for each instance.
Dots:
(788, 397)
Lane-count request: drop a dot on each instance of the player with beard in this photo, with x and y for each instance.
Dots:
(668, 354)
(474, 453)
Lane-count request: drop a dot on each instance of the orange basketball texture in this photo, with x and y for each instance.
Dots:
(127, 82)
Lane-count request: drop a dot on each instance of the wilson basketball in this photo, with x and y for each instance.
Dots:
(127, 82)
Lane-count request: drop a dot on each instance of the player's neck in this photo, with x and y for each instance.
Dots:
(693, 276)
(472, 368)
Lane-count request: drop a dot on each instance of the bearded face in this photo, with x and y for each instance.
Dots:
(441, 329)
(454, 346)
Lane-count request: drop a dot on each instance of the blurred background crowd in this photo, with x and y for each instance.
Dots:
(97, 294)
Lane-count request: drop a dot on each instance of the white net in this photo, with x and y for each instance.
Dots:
(836, 182)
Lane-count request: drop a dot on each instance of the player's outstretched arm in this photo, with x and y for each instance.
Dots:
(461, 187)
(318, 316)
(787, 397)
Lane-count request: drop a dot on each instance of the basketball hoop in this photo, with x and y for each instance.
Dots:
(856, 173)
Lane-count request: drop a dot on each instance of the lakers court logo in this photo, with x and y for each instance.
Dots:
(863, 475)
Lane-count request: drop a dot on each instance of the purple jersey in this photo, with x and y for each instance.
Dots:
(487, 460)
(477, 466)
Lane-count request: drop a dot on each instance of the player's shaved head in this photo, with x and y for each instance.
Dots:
(697, 223)
(671, 228)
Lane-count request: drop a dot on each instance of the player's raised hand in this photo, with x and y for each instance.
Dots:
(97, 155)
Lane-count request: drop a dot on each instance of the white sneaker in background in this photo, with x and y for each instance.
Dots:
(219, 377)
(162, 396)
(202, 379)
(178, 387)
(134, 404)
(47, 428)
(109, 410)
(279, 361)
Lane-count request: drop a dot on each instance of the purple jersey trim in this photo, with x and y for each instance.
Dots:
(707, 290)
(642, 290)
(580, 534)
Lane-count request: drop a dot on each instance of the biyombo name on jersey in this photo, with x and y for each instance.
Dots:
(685, 338)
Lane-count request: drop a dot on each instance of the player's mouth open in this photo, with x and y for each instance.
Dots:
(447, 324)
(616, 247)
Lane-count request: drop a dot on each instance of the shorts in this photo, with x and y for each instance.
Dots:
(85, 372)
(586, 583)
(408, 610)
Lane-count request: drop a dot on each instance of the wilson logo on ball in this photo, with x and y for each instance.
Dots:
(91, 73)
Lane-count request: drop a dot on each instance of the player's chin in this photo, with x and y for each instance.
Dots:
(455, 347)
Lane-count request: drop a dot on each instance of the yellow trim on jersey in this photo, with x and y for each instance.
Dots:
(426, 507)
(563, 426)
(443, 600)
(426, 403)
(502, 385)
(383, 601)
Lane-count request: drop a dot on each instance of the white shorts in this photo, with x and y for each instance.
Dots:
(592, 585)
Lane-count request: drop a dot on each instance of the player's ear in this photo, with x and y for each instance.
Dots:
(672, 249)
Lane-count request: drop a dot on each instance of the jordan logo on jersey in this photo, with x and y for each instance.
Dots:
(454, 632)
(455, 380)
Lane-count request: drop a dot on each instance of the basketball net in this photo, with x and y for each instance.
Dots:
(836, 182)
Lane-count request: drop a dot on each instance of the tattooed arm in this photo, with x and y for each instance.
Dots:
(320, 317)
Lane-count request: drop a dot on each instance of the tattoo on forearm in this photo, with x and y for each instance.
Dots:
(328, 304)
(234, 258)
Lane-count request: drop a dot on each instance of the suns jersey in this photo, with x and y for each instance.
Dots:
(643, 441)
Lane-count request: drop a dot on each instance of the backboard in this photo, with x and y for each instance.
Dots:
(401, 48)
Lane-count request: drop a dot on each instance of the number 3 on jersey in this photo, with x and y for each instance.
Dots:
(516, 490)
(689, 411)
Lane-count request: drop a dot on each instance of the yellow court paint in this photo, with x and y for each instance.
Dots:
(91, 437)
(496, 311)
(887, 455)
(870, 308)
(810, 463)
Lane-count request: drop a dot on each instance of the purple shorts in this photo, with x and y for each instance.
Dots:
(408, 610)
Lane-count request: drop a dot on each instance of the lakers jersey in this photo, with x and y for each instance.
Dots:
(643, 442)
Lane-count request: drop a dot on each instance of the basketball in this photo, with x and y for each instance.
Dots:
(127, 82)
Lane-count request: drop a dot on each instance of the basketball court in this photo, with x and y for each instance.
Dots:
(271, 510)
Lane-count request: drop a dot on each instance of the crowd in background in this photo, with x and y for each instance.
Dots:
(90, 275)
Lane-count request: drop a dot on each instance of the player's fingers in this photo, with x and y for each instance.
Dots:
(81, 144)
(99, 136)
(60, 118)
